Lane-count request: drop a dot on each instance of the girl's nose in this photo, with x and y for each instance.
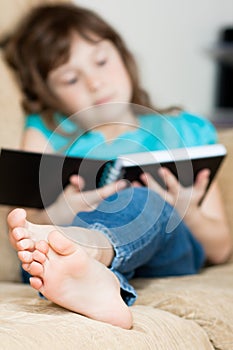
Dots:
(94, 82)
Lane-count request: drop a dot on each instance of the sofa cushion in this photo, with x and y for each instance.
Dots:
(28, 322)
(12, 10)
(206, 298)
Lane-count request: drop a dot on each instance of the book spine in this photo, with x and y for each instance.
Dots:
(110, 174)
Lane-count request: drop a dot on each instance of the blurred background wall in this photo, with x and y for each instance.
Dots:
(170, 39)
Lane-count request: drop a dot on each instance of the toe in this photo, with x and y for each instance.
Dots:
(26, 244)
(20, 233)
(38, 256)
(17, 217)
(25, 257)
(26, 267)
(36, 283)
(36, 269)
(42, 246)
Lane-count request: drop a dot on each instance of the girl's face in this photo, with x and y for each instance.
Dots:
(94, 74)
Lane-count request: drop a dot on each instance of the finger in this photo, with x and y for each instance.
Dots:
(170, 180)
(94, 197)
(202, 181)
(76, 184)
(136, 184)
(150, 182)
(77, 181)
(69, 189)
(112, 188)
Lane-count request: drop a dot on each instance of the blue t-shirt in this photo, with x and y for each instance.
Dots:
(155, 132)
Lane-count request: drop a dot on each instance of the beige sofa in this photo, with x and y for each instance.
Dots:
(185, 313)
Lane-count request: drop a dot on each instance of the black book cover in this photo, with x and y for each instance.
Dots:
(29, 179)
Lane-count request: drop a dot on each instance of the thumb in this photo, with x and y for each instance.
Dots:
(78, 182)
(112, 188)
(94, 197)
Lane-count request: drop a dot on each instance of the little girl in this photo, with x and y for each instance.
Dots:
(70, 62)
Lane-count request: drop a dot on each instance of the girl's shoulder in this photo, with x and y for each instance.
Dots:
(59, 137)
(197, 127)
(191, 129)
(36, 121)
(189, 118)
(63, 124)
(183, 118)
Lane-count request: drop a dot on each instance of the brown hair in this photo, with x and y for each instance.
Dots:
(42, 42)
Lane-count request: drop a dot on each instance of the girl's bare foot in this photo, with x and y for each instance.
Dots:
(23, 235)
(65, 274)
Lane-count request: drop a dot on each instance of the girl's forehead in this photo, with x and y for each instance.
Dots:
(88, 36)
(81, 50)
(79, 44)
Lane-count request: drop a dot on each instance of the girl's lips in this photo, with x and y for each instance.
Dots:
(103, 100)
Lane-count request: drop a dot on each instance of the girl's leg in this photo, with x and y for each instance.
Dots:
(148, 236)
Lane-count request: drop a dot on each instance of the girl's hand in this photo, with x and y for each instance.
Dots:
(73, 199)
(89, 200)
(184, 199)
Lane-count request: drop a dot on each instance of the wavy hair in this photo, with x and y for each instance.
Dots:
(42, 42)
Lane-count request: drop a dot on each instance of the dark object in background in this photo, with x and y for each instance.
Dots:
(224, 93)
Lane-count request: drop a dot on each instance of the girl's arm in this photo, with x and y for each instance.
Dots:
(34, 141)
(72, 200)
(207, 221)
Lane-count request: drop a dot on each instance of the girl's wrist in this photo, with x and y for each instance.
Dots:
(192, 215)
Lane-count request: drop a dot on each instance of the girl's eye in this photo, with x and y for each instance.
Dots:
(102, 62)
(71, 81)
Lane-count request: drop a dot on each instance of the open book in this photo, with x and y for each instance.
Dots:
(30, 179)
